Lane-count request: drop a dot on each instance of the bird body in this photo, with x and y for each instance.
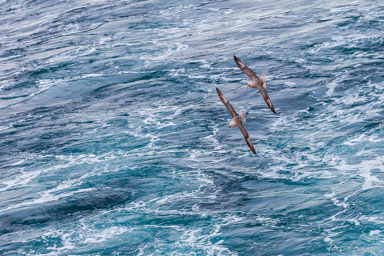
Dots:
(259, 83)
(238, 120)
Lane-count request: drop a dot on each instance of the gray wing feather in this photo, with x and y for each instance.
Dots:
(247, 139)
(246, 69)
(226, 103)
(266, 98)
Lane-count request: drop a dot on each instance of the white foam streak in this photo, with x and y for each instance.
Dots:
(198, 240)
(20, 180)
(364, 169)
(47, 196)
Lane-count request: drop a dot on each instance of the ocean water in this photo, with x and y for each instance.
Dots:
(113, 140)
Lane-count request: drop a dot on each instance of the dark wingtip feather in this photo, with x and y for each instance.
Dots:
(270, 105)
(218, 91)
(272, 108)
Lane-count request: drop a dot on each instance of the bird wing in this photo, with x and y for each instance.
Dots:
(266, 98)
(246, 137)
(226, 103)
(246, 69)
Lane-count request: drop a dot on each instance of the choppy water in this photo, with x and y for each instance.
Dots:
(113, 140)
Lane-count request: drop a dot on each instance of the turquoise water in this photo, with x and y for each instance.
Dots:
(113, 140)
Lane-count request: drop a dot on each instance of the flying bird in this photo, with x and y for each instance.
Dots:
(256, 82)
(237, 120)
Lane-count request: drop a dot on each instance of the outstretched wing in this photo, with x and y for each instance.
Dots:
(266, 98)
(226, 103)
(246, 69)
(247, 139)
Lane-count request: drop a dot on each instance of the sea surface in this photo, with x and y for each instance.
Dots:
(113, 140)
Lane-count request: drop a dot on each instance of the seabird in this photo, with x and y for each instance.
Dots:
(237, 120)
(256, 82)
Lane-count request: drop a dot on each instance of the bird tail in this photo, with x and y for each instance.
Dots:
(264, 81)
(242, 116)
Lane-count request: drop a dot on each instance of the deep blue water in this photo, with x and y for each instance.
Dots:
(113, 140)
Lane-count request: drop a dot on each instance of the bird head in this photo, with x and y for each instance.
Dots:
(249, 85)
(231, 124)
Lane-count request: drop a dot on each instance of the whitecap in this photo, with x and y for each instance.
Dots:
(374, 232)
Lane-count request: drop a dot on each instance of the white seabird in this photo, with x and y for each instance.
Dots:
(237, 120)
(256, 82)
